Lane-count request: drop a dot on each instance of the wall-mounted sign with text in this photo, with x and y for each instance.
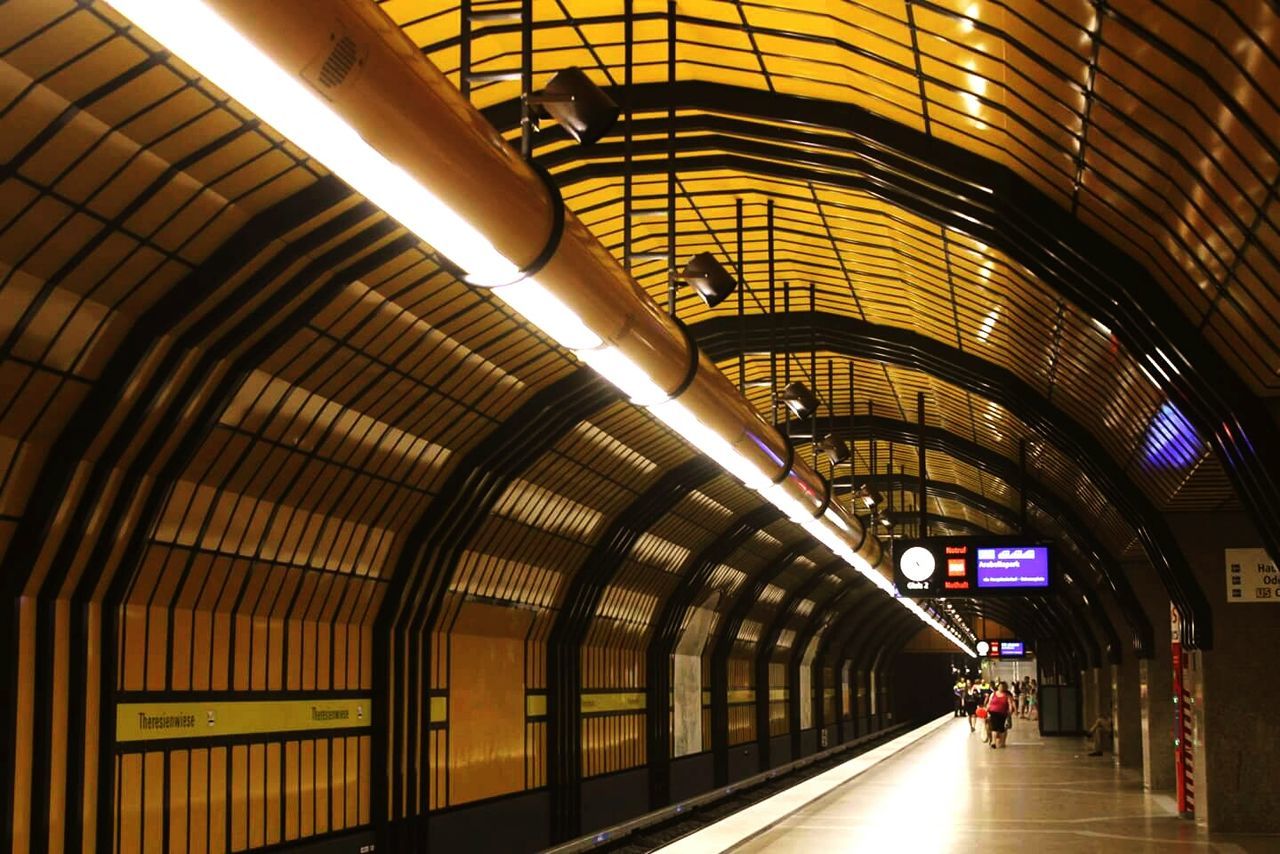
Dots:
(938, 567)
(1252, 576)
(1001, 649)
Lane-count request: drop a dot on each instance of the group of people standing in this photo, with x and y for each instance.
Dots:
(996, 705)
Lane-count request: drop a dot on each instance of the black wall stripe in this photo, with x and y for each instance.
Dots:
(577, 610)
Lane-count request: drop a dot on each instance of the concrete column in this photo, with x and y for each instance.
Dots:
(686, 681)
(1237, 755)
(1155, 680)
(1126, 712)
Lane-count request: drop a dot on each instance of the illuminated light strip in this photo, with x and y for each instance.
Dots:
(194, 31)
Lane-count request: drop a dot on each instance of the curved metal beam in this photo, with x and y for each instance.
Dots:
(977, 196)
(695, 576)
(573, 621)
(902, 432)
(1097, 558)
(402, 631)
(726, 633)
(202, 294)
(726, 337)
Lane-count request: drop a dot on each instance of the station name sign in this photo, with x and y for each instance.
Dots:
(938, 567)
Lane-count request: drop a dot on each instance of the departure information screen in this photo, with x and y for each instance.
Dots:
(938, 567)
(1017, 567)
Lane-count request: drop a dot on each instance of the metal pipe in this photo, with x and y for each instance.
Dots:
(773, 312)
(628, 106)
(742, 289)
(671, 161)
(498, 213)
(526, 78)
(924, 495)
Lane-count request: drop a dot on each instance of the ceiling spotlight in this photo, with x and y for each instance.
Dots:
(581, 107)
(837, 451)
(708, 278)
(868, 496)
(802, 402)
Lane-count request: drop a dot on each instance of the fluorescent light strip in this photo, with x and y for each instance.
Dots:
(195, 32)
(192, 30)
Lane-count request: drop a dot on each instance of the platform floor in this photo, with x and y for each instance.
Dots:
(951, 793)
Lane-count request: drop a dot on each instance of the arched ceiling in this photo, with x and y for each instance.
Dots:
(119, 154)
(1146, 119)
(890, 199)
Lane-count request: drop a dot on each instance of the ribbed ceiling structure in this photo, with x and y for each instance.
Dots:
(257, 441)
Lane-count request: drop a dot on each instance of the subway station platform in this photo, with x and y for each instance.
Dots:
(949, 792)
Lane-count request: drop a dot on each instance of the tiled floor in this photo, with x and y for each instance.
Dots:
(951, 793)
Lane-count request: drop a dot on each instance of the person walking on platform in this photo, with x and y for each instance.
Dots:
(983, 691)
(971, 704)
(998, 708)
(1029, 710)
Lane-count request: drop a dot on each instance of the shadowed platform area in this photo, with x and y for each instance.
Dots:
(951, 793)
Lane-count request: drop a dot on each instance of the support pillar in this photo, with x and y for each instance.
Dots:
(1155, 681)
(1234, 685)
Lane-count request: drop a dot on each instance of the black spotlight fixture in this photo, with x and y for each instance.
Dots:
(581, 107)
(802, 402)
(869, 497)
(708, 278)
(836, 450)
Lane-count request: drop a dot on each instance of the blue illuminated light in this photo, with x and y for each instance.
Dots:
(759, 443)
(1171, 441)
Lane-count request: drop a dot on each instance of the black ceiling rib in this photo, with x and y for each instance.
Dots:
(1104, 564)
(987, 460)
(574, 618)
(721, 338)
(695, 575)
(1090, 550)
(787, 607)
(438, 538)
(727, 630)
(1030, 228)
(196, 297)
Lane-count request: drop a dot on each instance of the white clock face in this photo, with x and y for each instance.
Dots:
(983, 647)
(917, 563)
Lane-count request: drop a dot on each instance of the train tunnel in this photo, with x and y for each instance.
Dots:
(498, 425)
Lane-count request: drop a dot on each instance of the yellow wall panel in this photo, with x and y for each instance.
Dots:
(292, 790)
(239, 806)
(198, 801)
(322, 783)
(487, 702)
(179, 798)
(129, 796)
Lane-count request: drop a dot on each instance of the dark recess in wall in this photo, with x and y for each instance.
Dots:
(921, 686)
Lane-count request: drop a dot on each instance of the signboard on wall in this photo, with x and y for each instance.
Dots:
(1252, 576)
(1001, 648)
(938, 567)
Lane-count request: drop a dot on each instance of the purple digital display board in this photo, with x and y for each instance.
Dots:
(1012, 649)
(1013, 567)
